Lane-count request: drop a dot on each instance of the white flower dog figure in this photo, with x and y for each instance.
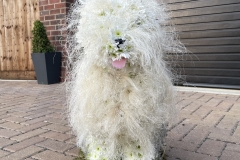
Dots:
(120, 92)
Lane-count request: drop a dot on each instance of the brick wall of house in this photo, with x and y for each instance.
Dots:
(53, 14)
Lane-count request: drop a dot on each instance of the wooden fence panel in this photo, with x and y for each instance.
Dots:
(16, 23)
(1, 36)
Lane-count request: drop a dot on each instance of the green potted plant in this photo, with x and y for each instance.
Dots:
(47, 62)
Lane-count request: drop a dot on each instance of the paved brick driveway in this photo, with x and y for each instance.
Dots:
(33, 125)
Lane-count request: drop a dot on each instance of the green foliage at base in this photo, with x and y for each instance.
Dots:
(40, 42)
(164, 156)
(81, 156)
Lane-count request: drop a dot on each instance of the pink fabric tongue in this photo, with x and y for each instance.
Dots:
(119, 64)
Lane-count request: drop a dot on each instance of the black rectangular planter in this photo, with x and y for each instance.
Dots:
(47, 67)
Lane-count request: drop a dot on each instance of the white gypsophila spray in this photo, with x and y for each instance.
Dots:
(119, 113)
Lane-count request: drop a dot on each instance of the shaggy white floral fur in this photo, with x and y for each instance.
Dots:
(120, 92)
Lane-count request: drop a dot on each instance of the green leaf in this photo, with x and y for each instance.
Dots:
(40, 41)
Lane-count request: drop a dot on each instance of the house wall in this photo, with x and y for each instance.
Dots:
(53, 15)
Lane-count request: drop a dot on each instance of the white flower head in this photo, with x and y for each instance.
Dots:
(96, 150)
(93, 156)
(133, 153)
(118, 32)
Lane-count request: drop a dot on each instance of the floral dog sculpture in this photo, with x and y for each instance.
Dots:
(120, 92)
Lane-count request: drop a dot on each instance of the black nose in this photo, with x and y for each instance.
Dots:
(119, 41)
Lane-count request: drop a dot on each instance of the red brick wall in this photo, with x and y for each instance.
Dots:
(53, 14)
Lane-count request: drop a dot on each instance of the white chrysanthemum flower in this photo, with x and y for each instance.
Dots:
(118, 33)
(94, 156)
(125, 55)
(133, 154)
